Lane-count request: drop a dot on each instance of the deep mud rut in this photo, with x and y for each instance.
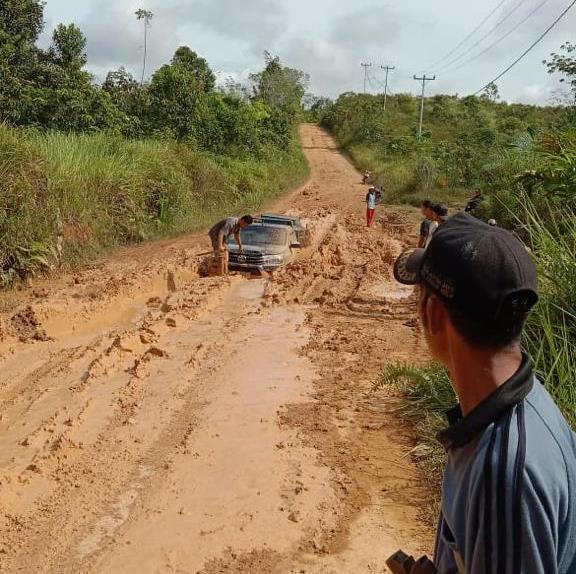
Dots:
(153, 421)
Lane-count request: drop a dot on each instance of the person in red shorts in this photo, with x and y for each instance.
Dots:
(371, 200)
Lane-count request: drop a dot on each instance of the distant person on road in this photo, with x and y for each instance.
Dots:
(371, 202)
(428, 225)
(508, 502)
(220, 233)
(367, 177)
(440, 213)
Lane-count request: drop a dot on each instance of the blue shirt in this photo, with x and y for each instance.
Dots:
(509, 498)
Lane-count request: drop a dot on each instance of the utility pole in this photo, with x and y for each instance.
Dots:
(388, 70)
(147, 16)
(365, 66)
(423, 79)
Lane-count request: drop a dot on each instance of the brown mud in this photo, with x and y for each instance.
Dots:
(155, 421)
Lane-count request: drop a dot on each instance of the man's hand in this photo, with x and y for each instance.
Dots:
(401, 563)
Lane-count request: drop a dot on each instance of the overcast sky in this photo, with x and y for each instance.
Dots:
(329, 39)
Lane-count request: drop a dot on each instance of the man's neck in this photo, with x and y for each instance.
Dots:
(477, 373)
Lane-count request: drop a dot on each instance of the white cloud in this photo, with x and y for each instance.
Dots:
(326, 38)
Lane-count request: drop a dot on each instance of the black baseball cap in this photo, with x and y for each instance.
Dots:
(483, 271)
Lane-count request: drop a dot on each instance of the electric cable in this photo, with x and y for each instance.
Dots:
(517, 6)
(530, 48)
(462, 42)
(499, 40)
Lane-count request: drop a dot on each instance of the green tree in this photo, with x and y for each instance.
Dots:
(491, 93)
(68, 48)
(21, 22)
(176, 97)
(279, 86)
(189, 60)
(565, 64)
(65, 97)
(124, 90)
(146, 16)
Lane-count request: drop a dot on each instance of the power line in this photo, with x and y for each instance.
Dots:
(533, 45)
(489, 33)
(458, 46)
(499, 40)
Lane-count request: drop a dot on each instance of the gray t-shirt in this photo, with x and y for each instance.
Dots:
(226, 226)
(509, 495)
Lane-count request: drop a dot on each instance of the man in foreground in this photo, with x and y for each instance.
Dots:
(428, 225)
(508, 503)
(219, 235)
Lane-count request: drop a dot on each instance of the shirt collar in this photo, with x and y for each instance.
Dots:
(463, 429)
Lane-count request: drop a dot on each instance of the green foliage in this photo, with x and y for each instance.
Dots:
(72, 184)
(176, 101)
(52, 90)
(470, 144)
(280, 87)
(65, 197)
(565, 64)
(425, 395)
(188, 59)
(67, 50)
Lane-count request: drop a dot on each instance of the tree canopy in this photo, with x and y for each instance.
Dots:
(51, 89)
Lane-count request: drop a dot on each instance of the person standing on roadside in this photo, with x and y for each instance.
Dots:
(440, 213)
(428, 225)
(371, 201)
(508, 503)
(219, 235)
(474, 203)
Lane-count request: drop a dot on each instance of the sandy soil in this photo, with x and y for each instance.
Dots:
(154, 421)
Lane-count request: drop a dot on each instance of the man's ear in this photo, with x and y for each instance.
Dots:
(436, 315)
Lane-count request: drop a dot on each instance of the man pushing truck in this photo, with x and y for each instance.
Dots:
(219, 235)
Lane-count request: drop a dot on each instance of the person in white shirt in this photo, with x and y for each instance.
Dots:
(371, 201)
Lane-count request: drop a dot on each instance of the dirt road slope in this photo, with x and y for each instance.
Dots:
(153, 421)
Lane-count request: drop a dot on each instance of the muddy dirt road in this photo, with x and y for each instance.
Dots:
(152, 421)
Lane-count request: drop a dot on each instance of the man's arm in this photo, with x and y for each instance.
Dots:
(519, 536)
(238, 237)
(424, 230)
(221, 239)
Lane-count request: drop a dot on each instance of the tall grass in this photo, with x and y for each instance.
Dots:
(425, 394)
(65, 197)
(551, 334)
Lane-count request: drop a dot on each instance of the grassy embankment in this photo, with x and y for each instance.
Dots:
(523, 159)
(66, 197)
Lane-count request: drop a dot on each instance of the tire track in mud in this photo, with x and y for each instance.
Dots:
(168, 423)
